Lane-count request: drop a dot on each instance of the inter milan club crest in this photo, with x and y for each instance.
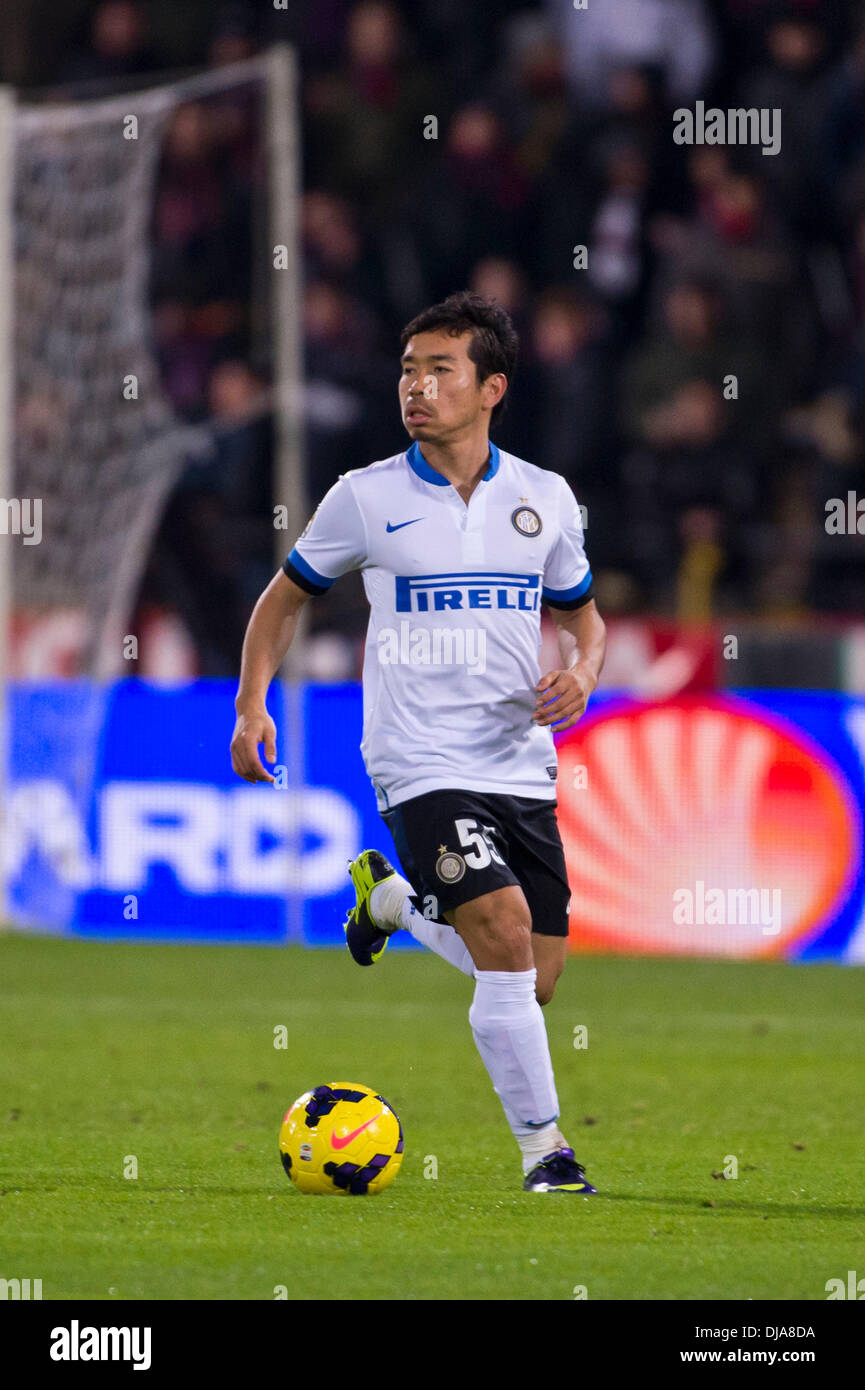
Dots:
(526, 521)
(450, 867)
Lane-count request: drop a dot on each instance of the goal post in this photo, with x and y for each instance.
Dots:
(286, 329)
(284, 172)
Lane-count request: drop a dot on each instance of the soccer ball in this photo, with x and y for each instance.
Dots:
(341, 1139)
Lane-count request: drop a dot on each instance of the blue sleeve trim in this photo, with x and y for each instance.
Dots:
(304, 575)
(570, 598)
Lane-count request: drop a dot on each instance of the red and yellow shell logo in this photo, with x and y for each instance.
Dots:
(698, 827)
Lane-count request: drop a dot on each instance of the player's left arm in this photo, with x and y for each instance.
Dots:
(564, 694)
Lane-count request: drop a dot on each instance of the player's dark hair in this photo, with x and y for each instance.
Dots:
(494, 343)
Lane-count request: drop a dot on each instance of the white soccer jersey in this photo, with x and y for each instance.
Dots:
(455, 594)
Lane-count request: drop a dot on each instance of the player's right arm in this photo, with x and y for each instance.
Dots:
(333, 542)
(268, 638)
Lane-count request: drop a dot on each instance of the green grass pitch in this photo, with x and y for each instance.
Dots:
(166, 1054)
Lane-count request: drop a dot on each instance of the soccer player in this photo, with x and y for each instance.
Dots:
(459, 545)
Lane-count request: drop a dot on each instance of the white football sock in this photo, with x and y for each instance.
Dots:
(391, 908)
(508, 1026)
(386, 900)
(439, 937)
(539, 1143)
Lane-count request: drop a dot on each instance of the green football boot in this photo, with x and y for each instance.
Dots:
(365, 939)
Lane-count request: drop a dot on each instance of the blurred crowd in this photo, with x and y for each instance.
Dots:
(697, 372)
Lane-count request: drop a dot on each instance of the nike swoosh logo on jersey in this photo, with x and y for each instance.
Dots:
(401, 524)
(341, 1143)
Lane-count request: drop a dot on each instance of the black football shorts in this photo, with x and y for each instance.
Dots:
(457, 845)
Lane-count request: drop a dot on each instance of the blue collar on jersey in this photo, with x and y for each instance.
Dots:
(429, 475)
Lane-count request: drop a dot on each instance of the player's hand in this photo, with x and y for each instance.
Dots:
(562, 697)
(250, 731)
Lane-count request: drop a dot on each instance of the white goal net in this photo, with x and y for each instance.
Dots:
(90, 445)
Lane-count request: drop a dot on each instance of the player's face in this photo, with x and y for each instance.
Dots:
(439, 392)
